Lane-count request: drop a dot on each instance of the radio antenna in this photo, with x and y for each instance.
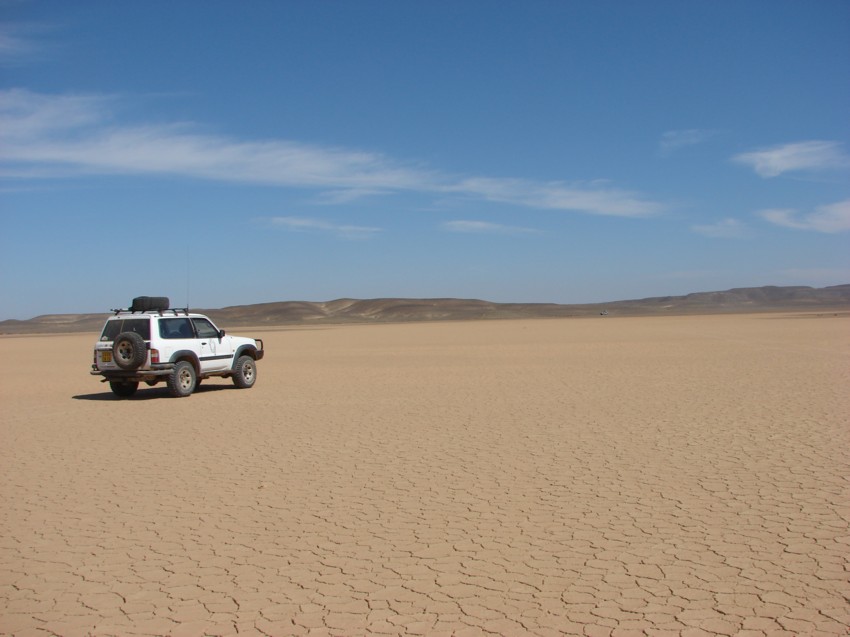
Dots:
(188, 280)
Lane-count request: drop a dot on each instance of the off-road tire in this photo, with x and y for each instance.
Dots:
(123, 389)
(181, 381)
(129, 351)
(245, 372)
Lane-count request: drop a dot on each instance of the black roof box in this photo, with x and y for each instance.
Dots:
(146, 303)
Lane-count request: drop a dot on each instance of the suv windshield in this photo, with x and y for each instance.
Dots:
(141, 326)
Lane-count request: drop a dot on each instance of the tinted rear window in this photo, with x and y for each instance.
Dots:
(176, 328)
(113, 328)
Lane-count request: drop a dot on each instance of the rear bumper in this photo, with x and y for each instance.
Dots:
(131, 375)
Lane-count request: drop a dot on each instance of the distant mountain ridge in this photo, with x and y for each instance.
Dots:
(392, 310)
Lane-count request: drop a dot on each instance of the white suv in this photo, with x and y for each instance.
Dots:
(152, 343)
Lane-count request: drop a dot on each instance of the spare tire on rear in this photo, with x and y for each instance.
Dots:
(129, 350)
(146, 303)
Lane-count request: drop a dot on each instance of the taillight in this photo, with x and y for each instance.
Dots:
(154, 356)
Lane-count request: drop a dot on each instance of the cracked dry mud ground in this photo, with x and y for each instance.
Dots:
(662, 476)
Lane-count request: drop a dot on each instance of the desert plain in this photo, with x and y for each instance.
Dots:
(605, 476)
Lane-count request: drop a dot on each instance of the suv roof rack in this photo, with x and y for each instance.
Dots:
(143, 304)
(176, 311)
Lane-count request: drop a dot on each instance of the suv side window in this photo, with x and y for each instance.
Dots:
(205, 328)
(141, 326)
(175, 328)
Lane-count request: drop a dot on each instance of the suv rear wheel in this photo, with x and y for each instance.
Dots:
(182, 380)
(123, 389)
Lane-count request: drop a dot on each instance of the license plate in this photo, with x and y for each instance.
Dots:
(106, 357)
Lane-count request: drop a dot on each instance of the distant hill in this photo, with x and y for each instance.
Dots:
(738, 300)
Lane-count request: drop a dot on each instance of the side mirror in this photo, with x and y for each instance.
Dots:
(221, 333)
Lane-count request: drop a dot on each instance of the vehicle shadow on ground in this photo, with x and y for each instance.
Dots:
(150, 393)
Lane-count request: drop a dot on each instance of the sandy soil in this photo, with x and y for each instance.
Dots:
(607, 476)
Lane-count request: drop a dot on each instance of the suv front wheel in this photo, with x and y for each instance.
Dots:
(182, 380)
(245, 372)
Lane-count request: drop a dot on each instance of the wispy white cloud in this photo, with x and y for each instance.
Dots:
(347, 195)
(484, 227)
(558, 196)
(45, 135)
(13, 44)
(674, 140)
(74, 134)
(306, 224)
(20, 42)
(723, 229)
(831, 219)
(800, 156)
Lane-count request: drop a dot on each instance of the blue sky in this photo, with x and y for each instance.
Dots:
(569, 151)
